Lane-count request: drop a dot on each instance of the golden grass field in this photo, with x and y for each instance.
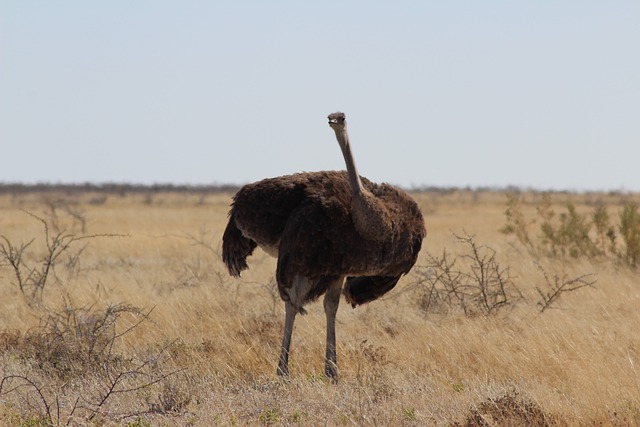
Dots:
(190, 346)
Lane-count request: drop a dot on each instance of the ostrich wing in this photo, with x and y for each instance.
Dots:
(361, 290)
(313, 243)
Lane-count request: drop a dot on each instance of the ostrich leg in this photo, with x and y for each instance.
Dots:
(331, 302)
(290, 317)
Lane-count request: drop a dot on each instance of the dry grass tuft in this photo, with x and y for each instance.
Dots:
(507, 410)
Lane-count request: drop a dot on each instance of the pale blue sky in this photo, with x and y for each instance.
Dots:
(542, 94)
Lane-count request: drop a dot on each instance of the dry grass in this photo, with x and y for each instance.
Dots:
(206, 352)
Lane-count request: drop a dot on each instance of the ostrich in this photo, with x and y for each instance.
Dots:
(324, 227)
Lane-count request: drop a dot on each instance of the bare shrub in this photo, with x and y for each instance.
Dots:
(72, 351)
(55, 205)
(33, 272)
(479, 286)
(556, 285)
(74, 340)
(440, 277)
(68, 367)
(475, 282)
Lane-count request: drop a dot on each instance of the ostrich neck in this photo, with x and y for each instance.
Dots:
(352, 171)
(370, 217)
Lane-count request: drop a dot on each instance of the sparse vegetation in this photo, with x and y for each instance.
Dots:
(32, 271)
(573, 234)
(149, 330)
(630, 230)
(70, 344)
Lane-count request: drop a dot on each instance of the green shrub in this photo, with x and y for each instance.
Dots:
(576, 235)
(629, 227)
(516, 223)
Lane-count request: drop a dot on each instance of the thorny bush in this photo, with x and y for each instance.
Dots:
(473, 281)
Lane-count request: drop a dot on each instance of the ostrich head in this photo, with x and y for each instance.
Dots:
(337, 121)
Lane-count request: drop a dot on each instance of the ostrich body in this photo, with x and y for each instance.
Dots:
(324, 227)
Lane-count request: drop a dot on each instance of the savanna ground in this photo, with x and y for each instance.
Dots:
(115, 309)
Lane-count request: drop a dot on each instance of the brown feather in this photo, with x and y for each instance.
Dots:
(236, 248)
(307, 217)
(361, 290)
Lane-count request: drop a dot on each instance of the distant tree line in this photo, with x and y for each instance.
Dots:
(114, 188)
